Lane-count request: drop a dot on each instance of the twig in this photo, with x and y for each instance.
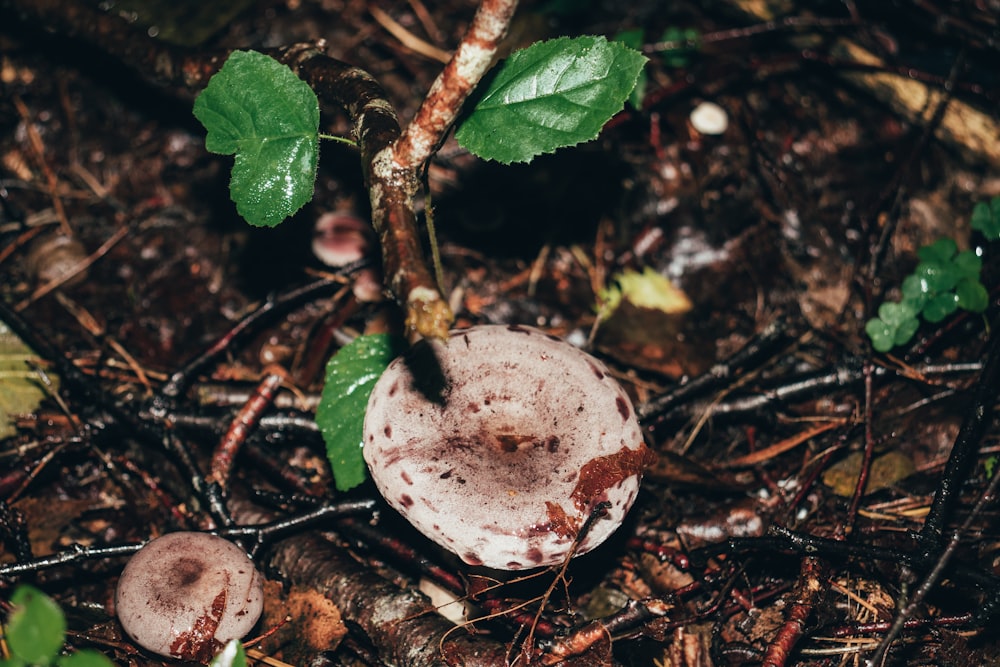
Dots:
(444, 100)
(804, 599)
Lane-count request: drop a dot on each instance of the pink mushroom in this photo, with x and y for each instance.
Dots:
(186, 594)
(501, 448)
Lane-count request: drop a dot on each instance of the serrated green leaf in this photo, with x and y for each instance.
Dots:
(257, 109)
(550, 95)
(634, 39)
(231, 655)
(350, 376)
(36, 628)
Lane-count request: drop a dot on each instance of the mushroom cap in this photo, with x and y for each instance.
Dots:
(340, 238)
(500, 449)
(185, 594)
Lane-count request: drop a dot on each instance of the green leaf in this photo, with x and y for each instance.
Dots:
(350, 376)
(634, 39)
(552, 94)
(896, 313)
(972, 296)
(36, 628)
(940, 251)
(881, 334)
(85, 658)
(680, 57)
(968, 264)
(231, 655)
(986, 218)
(940, 306)
(257, 109)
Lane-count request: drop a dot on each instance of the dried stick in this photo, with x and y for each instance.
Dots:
(444, 100)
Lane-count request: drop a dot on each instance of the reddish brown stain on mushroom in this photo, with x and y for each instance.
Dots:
(561, 523)
(623, 408)
(520, 415)
(199, 644)
(604, 472)
(387, 430)
(406, 478)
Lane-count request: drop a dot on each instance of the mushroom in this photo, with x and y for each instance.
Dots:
(341, 238)
(500, 442)
(186, 594)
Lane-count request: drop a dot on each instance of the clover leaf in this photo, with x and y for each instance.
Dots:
(256, 108)
(986, 218)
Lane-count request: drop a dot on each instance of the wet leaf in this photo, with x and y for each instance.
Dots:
(231, 655)
(986, 218)
(552, 94)
(257, 109)
(36, 628)
(886, 470)
(20, 390)
(350, 376)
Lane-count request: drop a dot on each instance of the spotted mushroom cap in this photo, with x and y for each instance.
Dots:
(500, 449)
(185, 594)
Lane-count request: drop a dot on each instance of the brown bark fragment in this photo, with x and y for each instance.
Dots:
(400, 622)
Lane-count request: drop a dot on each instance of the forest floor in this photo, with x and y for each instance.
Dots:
(786, 519)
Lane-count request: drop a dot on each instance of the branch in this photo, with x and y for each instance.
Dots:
(457, 80)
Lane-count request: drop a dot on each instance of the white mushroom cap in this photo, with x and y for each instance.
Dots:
(185, 594)
(709, 118)
(503, 458)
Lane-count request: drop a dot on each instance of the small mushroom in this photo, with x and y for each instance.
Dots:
(340, 238)
(499, 443)
(186, 594)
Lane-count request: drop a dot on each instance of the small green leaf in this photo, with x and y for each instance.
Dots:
(881, 334)
(552, 94)
(257, 109)
(986, 218)
(896, 313)
(85, 658)
(231, 655)
(350, 376)
(941, 251)
(940, 306)
(972, 296)
(968, 264)
(681, 56)
(36, 628)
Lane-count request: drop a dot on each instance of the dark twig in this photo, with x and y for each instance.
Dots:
(978, 418)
